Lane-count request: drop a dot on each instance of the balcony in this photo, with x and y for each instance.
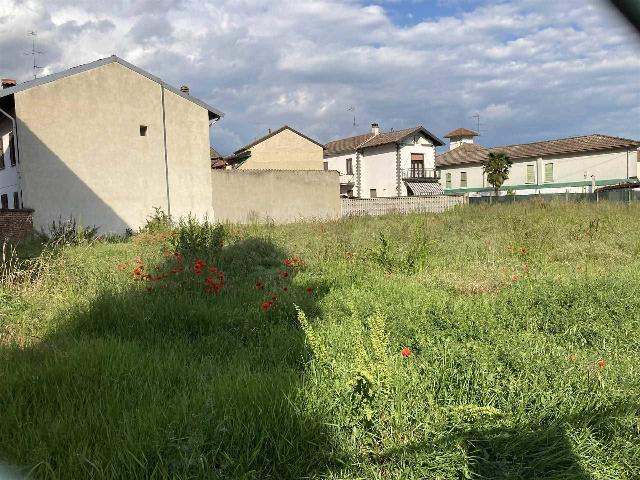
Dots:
(347, 179)
(421, 174)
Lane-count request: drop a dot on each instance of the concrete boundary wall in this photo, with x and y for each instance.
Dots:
(400, 205)
(279, 196)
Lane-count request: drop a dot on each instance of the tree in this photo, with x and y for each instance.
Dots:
(496, 167)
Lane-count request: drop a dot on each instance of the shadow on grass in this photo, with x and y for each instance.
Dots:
(172, 382)
(527, 451)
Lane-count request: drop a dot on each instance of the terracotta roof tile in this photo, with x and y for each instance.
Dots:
(461, 132)
(474, 153)
(213, 154)
(367, 140)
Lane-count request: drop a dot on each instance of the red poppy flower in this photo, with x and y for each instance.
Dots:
(137, 271)
(266, 305)
(601, 363)
(285, 289)
(213, 270)
(308, 289)
(285, 274)
(405, 352)
(259, 285)
(573, 357)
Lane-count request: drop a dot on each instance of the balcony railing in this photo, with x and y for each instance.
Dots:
(347, 179)
(419, 173)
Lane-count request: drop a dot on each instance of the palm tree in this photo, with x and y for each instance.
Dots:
(496, 167)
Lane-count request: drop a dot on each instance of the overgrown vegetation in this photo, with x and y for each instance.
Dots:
(486, 342)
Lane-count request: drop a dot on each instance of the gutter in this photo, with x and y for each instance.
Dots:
(14, 130)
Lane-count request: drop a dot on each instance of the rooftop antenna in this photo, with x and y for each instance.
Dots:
(478, 124)
(353, 109)
(34, 53)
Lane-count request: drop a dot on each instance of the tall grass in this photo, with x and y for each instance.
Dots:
(522, 323)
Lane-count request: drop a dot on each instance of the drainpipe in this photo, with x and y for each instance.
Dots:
(166, 161)
(398, 171)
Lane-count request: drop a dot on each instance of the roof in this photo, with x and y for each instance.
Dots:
(237, 157)
(474, 153)
(218, 163)
(467, 153)
(367, 140)
(461, 132)
(213, 112)
(214, 154)
(285, 127)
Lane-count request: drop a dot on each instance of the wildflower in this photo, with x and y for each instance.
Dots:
(259, 285)
(577, 237)
(601, 363)
(405, 352)
(213, 270)
(166, 253)
(285, 289)
(514, 278)
(266, 305)
(285, 274)
(524, 251)
(308, 290)
(274, 298)
(137, 271)
(573, 357)
(221, 275)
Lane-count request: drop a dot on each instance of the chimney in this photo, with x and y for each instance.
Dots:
(375, 128)
(184, 89)
(8, 83)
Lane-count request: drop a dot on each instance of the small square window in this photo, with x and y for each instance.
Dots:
(143, 130)
(326, 165)
(373, 193)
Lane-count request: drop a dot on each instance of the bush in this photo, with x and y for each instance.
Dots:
(69, 232)
(201, 239)
(157, 222)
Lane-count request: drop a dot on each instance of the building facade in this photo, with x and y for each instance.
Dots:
(392, 164)
(283, 149)
(105, 143)
(566, 165)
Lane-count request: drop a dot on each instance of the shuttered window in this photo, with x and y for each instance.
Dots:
(463, 179)
(448, 180)
(531, 174)
(349, 166)
(548, 172)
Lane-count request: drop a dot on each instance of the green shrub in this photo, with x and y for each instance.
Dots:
(158, 222)
(69, 232)
(201, 239)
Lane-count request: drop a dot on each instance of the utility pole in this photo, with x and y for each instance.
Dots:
(34, 53)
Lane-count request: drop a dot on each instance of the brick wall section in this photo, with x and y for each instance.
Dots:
(15, 224)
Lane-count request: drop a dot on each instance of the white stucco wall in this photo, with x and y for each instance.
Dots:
(9, 174)
(339, 164)
(606, 166)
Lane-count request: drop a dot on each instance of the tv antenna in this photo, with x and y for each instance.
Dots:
(34, 53)
(353, 109)
(478, 124)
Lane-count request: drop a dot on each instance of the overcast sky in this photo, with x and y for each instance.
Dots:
(532, 69)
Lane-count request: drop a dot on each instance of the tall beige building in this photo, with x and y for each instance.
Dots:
(105, 142)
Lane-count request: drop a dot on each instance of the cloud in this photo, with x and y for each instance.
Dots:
(533, 69)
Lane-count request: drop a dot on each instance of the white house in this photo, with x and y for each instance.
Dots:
(385, 164)
(573, 165)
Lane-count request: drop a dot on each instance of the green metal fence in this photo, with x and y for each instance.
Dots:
(619, 195)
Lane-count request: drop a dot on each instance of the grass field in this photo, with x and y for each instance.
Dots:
(519, 324)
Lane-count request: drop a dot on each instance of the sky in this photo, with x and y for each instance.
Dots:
(532, 69)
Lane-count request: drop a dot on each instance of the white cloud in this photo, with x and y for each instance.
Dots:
(532, 68)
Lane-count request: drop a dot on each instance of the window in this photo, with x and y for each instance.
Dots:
(448, 180)
(143, 130)
(548, 172)
(531, 174)
(463, 179)
(4, 201)
(1, 153)
(349, 166)
(373, 193)
(417, 165)
(12, 152)
(349, 193)
(326, 165)
(16, 200)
